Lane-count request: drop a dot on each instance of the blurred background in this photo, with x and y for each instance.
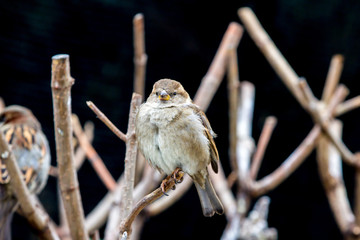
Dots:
(181, 40)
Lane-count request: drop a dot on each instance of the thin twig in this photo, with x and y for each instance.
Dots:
(61, 83)
(333, 77)
(80, 154)
(264, 138)
(37, 218)
(145, 201)
(93, 157)
(140, 57)
(105, 120)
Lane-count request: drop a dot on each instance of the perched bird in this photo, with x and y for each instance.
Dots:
(31, 150)
(172, 133)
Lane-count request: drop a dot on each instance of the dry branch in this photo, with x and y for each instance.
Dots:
(211, 81)
(245, 143)
(270, 51)
(106, 121)
(119, 213)
(140, 57)
(37, 218)
(61, 83)
(288, 166)
(233, 92)
(333, 77)
(264, 138)
(94, 158)
(145, 201)
(330, 171)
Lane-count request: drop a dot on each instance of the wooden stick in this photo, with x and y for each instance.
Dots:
(271, 52)
(347, 106)
(37, 218)
(295, 159)
(94, 158)
(233, 92)
(330, 171)
(61, 83)
(245, 143)
(211, 81)
(140, 58)
(148, 199)
(106, 121)
(333, 77)
(80, 155)
(119, 213)
(264, 138)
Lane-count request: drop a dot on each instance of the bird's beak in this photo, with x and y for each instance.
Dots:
(164, 96)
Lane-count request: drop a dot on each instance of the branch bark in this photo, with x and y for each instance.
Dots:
(61, 83)
(140, 58)
(119, 213)
(330, 171)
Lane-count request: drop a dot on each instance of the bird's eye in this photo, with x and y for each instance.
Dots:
(174, 93)
(157, 93)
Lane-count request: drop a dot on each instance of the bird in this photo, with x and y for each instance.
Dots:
(174, 133)
(30, 148)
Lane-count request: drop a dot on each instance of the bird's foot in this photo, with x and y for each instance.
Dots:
(177, 175)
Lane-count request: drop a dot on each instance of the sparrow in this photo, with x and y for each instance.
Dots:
(174, 133)
(31, 150)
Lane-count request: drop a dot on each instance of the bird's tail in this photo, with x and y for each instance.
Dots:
(7, 205)
(210, 202)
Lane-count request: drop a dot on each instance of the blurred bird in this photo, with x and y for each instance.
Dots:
(31, 150)
(172, 133)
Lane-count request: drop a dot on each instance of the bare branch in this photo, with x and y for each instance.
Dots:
(347, 106)
(289, 165)
(80, 154)
(61, 83)
(233, 92)
(106, 121)
(245, 143)
(119, 213)
(37, 218)
(333, 77)
(330, 171)
(215, 74)
(93, 157)
(140, 57)
(148, 199)
(270, 51)
(264, 138)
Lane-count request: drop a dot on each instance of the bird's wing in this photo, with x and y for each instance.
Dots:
(214, 154)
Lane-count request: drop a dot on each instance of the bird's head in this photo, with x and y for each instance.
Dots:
(17, 114)
(167, 92)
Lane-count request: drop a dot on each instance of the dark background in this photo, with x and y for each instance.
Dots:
(181, 40)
